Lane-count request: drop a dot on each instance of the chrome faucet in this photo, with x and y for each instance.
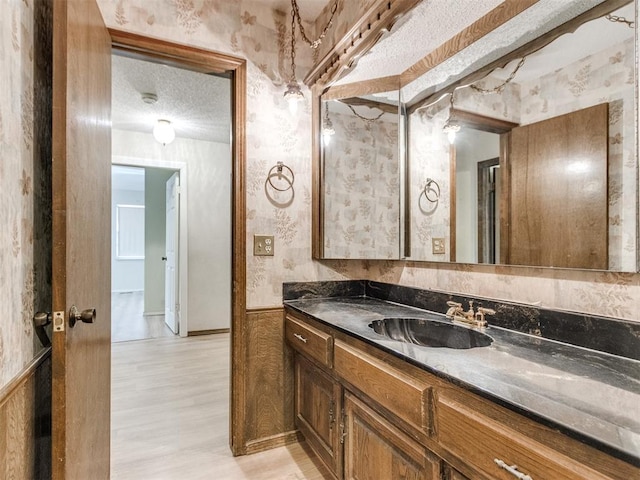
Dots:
(471, 317)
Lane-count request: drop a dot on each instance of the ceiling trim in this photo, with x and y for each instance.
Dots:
(367, 87)
(378, 19)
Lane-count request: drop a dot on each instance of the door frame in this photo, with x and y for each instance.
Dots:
(183, 251)
(208, 61)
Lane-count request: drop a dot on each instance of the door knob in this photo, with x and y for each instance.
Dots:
(41, 320)
(85, 316)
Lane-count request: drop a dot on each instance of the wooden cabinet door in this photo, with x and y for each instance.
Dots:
(81, 263)
(317, 407)
(374, 449)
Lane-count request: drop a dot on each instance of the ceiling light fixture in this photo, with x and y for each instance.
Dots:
(149, 98)
(293, 93)
(163, 132)
(450, 126)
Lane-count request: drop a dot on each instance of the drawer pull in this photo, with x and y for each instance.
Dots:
(512, 469)
(300, 337)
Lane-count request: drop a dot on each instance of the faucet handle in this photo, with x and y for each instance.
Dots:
(454, 307)
(482, 311)
(486, 311)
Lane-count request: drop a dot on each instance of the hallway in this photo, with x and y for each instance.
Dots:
(128, 321)
(170, 403)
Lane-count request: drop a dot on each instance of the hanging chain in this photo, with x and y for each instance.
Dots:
(295, 12)
(293, 46)
(369, 120)
(615, 18)
(500, 87)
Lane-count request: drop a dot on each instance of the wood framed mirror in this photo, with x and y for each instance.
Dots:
(487, 54)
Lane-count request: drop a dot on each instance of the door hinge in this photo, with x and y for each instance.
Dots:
(58, 321)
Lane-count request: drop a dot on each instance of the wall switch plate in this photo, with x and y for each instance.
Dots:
(437, 246)
(263, 245)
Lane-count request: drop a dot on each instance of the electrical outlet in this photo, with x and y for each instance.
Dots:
(437, 246)
(263, 245)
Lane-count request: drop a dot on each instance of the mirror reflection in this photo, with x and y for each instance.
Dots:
(361, 177)
(536, 162)
(529, 159)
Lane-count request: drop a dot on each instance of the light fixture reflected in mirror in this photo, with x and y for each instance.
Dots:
(451, 127)
(163, 132)
(327, 127)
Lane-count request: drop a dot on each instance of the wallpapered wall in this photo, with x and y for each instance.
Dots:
(25, 153)
(362, 185)
(249, 29)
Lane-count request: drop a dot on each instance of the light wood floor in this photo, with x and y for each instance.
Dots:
(128, 321)
(170, 404)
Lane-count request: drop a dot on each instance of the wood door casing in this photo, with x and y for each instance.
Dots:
(557, 187)
(81, 356)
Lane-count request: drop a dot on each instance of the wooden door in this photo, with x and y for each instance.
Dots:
(317, 412)
(557, 185)
(171, 316)
(375, 449)
(81, 240)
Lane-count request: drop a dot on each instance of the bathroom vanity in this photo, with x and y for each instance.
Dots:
(514, 399)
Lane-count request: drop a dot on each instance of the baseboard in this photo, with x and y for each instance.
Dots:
(126, 291)
(213, 331)
(267, 443)
(152, 314)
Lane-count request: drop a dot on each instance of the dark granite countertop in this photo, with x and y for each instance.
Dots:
(590, 395)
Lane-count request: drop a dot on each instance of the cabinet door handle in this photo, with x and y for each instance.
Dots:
(300, 337)
(512, 469)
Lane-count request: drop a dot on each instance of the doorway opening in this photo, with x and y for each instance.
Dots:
(145, 265)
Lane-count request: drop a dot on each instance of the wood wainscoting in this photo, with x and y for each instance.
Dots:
(25, 421)
(268, 376)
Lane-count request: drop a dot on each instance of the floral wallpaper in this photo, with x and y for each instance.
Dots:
(361, 185)
(25, 153)
(429, 161)
(251, 30)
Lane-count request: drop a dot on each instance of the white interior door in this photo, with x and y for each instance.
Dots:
(171, 304)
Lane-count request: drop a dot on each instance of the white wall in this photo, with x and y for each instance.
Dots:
(209, 219)
(126, 275)
(472, 146)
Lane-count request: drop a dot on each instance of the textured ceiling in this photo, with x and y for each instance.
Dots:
(427, 26)
(538, 19)
(198, 105)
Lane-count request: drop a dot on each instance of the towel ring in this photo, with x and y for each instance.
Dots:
(276, 171)
(430, 193)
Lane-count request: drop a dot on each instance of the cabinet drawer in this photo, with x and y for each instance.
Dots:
(309, 341)
(483, 443)
(405, 396)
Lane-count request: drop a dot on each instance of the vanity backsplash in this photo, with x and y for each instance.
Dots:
(611, 335)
